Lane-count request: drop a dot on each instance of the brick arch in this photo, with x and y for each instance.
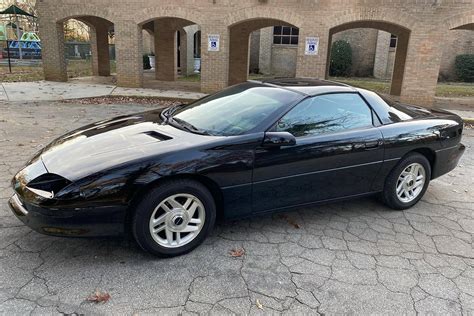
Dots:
(151, 13)
(460, 21)
(391, 21)
(386, 20)
(243, 22)
(86, 11)
(263, 13)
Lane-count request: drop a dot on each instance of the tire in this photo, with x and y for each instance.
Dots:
(403, 199)
(176, 230)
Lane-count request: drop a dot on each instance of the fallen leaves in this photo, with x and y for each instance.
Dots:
(237, 252)
(259, 305)
(159, 102)
(99, 297)
(290, 221)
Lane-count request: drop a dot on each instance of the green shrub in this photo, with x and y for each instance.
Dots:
(465, 67)
(146, 62)
(341, 59)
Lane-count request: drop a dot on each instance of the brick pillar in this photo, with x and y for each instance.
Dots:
(328, 56)
(265, 51)
(190, 31)
(52, 41)
(128, 46)
(165, 50)
(214, 65)
(99, 39)
(399, 65)
(190, 53)
(183, 51)
(381, 55)
(422, 66)
(239, 55)
(312, 65)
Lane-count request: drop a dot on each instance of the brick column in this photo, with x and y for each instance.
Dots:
(183, 51)
(129, 49)
(381, 55)
(421, 67)
(214, 65)
(399, 64)
(313, 65)
(265, 55)
(190, 53)
(239, 55)
(328, 56)
(165, 50)
(99, 39)
(52, 41)
(190, 32)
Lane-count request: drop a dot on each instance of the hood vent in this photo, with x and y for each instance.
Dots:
(157, 135)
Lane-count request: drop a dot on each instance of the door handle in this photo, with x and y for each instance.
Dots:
(372, 145)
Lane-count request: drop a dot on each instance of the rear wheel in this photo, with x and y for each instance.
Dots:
(174, 218)
(407, 183)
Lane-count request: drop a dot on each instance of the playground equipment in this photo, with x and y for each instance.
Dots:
(30, 45)
(16, 11)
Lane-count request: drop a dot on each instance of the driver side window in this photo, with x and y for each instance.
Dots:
(327, 113)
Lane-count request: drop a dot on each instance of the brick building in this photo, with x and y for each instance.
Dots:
(373, 52)
(422, 29)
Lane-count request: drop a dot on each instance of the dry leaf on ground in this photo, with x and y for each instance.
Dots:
(99, 297)
(237, 252)
(259, 305)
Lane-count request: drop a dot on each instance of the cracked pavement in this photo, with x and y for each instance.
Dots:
(355, 257)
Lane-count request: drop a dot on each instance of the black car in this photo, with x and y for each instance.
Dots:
(257, 147)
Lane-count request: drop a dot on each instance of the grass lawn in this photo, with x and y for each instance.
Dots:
(455, 89)
(190, 78)
(444, 89)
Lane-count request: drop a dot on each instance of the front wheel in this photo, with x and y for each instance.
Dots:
(174, 218)
(407, 183)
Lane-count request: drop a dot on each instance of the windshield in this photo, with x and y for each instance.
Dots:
(236, 110)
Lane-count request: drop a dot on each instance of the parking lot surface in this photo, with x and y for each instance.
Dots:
(355, 257)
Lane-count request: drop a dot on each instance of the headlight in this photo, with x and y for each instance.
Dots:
(42, 193)
(47, 185)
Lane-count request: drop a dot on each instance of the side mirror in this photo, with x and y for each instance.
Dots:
(278, 139)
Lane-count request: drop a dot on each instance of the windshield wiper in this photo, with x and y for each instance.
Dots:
(185, 125)
(169, 111)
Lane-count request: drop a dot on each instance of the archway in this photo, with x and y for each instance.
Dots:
(275, 35)
(92, 50)
(453, 80)
(96, 49)
(171, 46)
(382, 37)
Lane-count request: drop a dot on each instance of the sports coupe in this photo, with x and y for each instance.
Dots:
(257, 147)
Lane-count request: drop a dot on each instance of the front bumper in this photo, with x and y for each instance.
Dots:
(447, 159)
(86, 222)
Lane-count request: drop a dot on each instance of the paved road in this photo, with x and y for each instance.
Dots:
(356, 257)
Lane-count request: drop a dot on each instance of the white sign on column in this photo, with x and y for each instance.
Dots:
(311, 46)
(213, 42)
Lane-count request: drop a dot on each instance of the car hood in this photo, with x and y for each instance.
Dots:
(110, 143)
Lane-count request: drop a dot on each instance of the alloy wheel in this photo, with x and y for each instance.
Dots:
(177, 220)
(410, 182)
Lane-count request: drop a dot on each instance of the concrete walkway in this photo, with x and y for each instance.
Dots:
(74, 89)
(52, 91)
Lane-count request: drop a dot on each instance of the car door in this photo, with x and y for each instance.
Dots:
(338, 153)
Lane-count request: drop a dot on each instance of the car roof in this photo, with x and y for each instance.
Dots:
(307, 86)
